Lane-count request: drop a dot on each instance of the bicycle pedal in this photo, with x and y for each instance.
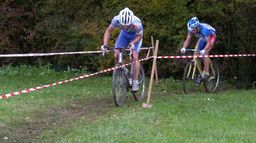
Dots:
(211, 78)
(198, 80)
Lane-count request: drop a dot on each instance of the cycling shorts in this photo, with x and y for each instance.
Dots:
(202, 42)
(125, 38)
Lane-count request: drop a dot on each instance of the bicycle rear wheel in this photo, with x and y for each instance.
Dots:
(189, 82)
(212, 83)
(140, 94)
(119, 86)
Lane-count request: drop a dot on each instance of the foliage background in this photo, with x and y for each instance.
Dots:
(76, 25)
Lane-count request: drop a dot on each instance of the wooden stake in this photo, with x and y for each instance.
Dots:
(148, 105)
(152, 46)
(155, 71)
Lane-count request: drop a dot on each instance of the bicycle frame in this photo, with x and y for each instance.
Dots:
(194, 69)
(197, 65)
(120, 61)
(123, 79)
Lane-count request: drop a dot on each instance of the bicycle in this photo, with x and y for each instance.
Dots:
(122, 79)
(193, 71)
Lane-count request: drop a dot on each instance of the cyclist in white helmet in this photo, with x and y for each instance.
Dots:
(130, 36)
(207, 38)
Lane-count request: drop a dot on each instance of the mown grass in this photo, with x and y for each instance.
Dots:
(83, 111)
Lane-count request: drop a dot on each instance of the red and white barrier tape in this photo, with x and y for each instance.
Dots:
(5, 96)
(211, 56)
(53, 54)
(46, 54)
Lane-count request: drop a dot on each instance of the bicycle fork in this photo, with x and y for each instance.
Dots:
(132, 68)
(128, 76)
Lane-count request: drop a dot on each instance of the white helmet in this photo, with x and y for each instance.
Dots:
(125, 16)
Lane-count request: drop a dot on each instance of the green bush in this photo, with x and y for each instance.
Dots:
(62, 25)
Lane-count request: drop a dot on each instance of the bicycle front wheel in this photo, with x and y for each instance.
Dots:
(214, 76)
(140, 94)
(189, 79)
(119, 86)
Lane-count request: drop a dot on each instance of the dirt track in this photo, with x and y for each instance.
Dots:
(30, 130)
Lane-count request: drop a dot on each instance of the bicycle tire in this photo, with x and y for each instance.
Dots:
(119, 86)
(189, 84)
(212, 83)
(140, 94)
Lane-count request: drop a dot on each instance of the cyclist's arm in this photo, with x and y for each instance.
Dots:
(107, 35)
(139, 31)
(187, 41)
(210, 42)
(137, 39)
(208, 45)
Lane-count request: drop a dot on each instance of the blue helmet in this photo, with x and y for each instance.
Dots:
(192, 23)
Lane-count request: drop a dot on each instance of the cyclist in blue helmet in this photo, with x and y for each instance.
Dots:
(207, 38)
(130, 36)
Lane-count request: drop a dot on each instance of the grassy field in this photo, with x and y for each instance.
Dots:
(84, 111)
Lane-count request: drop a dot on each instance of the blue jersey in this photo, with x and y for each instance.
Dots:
(205, 30)
(135, 27)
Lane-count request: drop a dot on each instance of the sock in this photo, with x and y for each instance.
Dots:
(135, 81)
(205, 73)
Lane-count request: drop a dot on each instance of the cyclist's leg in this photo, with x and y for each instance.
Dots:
(121, 42)
(201, 45)
(135, 53)
(136, 58)
(128, 37)
(209, 44)
(136, 70)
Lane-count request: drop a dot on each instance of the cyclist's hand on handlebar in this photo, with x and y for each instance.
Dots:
(183, 50)
(103, 49)
(131, 46)
(202, 52)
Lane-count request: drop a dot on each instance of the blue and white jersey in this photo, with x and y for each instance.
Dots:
(135, 27)
(205, 30)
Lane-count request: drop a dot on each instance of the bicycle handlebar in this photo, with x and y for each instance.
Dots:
(192, 50)
(109, 48)
(120, 49)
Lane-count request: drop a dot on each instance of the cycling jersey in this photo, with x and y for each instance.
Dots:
(135, 27)
(205, 30)
(129, 34)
